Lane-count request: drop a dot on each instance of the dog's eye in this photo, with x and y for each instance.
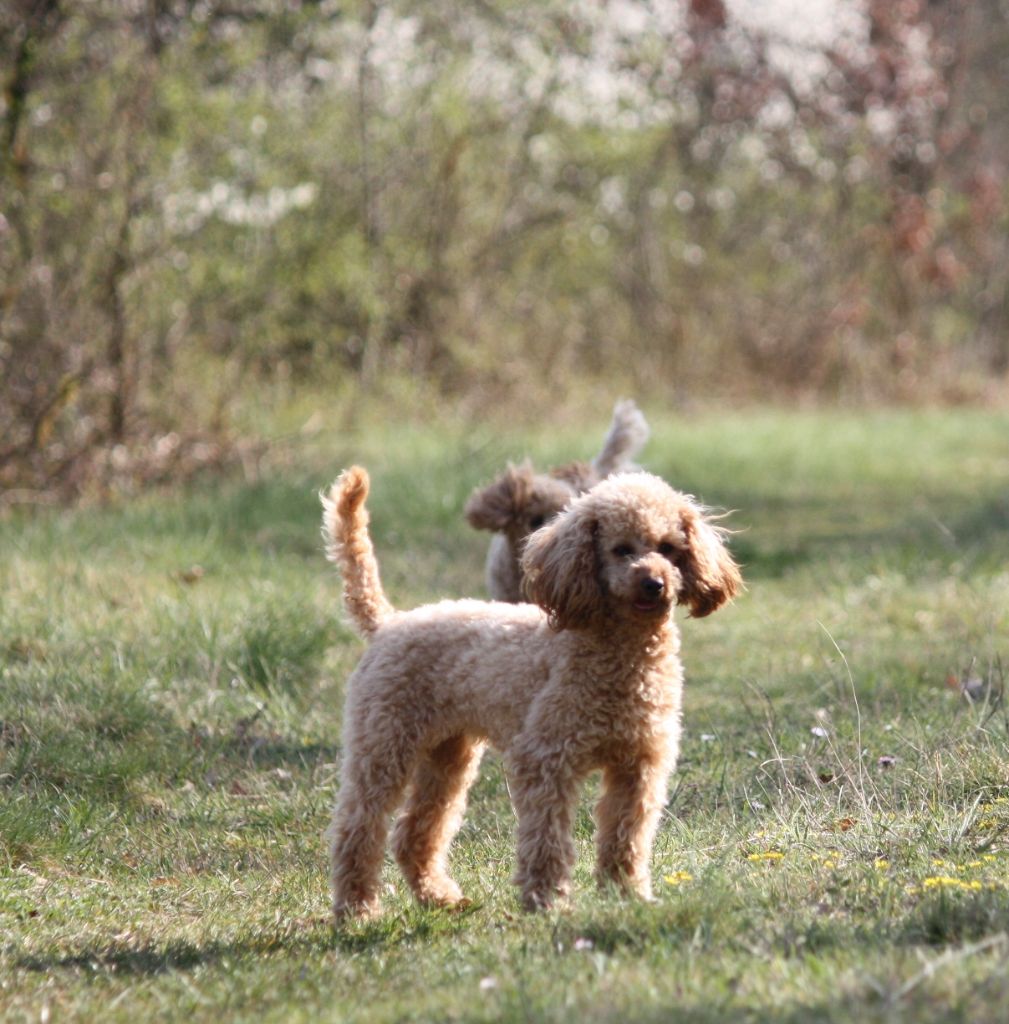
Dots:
(623, 551)
(536, 522)
(667, 550)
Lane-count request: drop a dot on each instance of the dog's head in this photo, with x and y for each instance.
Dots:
(628, 550)
(519, 501)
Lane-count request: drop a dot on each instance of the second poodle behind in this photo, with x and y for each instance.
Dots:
(521, 500)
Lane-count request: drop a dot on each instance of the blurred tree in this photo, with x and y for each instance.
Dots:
(499, 196)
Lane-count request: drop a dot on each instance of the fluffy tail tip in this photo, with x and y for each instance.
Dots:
(341, 507)
(349, 491)
(629, 418)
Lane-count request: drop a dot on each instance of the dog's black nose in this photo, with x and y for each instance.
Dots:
(652, 587)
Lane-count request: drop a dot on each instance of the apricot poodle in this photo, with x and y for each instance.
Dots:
(586, 678)
(521, 500)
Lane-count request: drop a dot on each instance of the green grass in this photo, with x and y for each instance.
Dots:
(837, 839)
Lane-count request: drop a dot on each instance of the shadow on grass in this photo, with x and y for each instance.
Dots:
(160, 958)
(946, 917)
(786, 1011)
(778, 531)
(314, 937)
(778, 536)
(645, 932)
(280, 516)
(68, 764)
(60, 799)
(985, 524)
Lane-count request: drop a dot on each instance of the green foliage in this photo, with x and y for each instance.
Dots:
(497, 200)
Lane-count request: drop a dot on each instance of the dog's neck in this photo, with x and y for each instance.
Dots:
(623, 642)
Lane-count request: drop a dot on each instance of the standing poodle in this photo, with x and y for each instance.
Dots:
(521, 500)
(586, 678)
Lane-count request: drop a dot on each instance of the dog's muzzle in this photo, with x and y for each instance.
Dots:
(651, 595)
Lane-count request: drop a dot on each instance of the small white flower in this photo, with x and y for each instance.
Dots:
(818, 730)
(581, 945)
(488, 984)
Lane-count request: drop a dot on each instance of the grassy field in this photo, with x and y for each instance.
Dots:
(836, 845)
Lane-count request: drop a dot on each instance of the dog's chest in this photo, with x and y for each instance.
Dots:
(626, 739)
(640, 708)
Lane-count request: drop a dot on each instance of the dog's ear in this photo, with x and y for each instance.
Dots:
(497, 505)
(710, 576)
(579, 476)
(560, 570)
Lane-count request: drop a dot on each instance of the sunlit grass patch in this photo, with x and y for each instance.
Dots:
(170, 747)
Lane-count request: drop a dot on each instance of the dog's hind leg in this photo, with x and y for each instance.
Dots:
(432, 816)
(369, 793)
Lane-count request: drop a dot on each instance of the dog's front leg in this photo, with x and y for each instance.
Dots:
(627, 818)
(544, 788)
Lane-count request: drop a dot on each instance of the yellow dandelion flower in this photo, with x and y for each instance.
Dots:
(767, 855)
(880, 863)
(679, 876)
(830, 863)
(947, 882)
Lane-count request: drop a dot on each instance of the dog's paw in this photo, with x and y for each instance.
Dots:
(440, 892)
(347, 912)
(539, 898)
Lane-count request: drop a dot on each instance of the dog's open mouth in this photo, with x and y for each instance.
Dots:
(649, 606)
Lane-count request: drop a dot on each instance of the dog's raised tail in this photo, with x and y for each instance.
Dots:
(348, 546)
(627, 435)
